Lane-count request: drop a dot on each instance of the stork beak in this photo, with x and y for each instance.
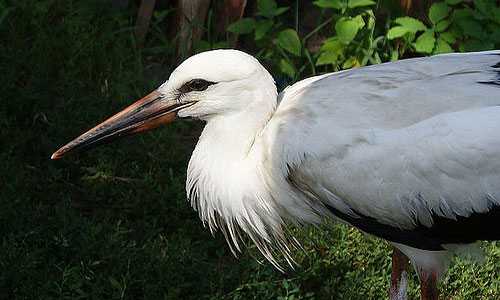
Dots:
(147, 113)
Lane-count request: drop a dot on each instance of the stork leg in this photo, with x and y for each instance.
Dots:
(399, 276)
(428, 286)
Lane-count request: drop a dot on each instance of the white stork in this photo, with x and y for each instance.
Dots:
(408, 151)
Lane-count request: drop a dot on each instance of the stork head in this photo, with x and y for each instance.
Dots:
(207, 85)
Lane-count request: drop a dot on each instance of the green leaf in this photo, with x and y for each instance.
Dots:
(453, 2)
(242, 26)
(4, 12)
(449, 37)
(411, 24)
(486, 7)
(280, 10)
(350, 62)
(287, 68)
(442, 25)
(359, 20)
(394, 55)
(201, 45)
(288, 40)
(407, 25)
(495, 30)
(360, 3)
(348, 28)
(496, 15)
(438, 11)
(425, 42)
(269, 9)
(464, 13)
(442, 47)
(327, 58)
(337, 4)
(396, 32)
(476, 45)
(332, 45)
(266, 8)
(114, 283)
(471, 28)
(262, 27)
(221, 45)
(331, 50)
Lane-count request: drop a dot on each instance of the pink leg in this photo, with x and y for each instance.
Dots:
(428, 286)
(399, 276)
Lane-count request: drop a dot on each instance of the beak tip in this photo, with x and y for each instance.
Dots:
(56, 155)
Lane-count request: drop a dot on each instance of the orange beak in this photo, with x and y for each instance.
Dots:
(147, 113)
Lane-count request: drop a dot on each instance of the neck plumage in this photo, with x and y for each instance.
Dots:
(224, 182)
(222, 172)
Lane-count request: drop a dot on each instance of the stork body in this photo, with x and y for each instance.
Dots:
(407, 151)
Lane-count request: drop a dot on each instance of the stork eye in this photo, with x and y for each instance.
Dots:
(195, 85)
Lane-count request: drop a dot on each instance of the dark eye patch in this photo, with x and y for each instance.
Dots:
(195, 85)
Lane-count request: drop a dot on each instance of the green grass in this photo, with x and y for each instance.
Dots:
(114, 222)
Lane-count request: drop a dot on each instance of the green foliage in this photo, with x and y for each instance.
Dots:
(453, 25)
(4, 11)
(353, 36)
(406, 25)
(269, 9)
(354, 42)
(285, 52)
(289, 40)
(242, 26)
(275, 41)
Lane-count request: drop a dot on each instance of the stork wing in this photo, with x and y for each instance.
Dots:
(406, 144)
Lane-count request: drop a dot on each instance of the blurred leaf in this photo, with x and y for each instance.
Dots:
(115, 283)
(221, 45)
(280, 10)
(396, 32)
(442, 46)
(350, 63)
(449, 37)
(288, 39)
(269, 8)
(425, 42)
(347, 29)
(242, 26)
(360, 3)
(438, 11)
(394, 55)
(287, 68)
(411, 24)
(471, 27)
(262, 27)
(331, 50)
(201, 45)
(442, 25)
(337, 4)
(496, 15)
(4, 13)
(495, 36)
(453, 2)
(266, 7)
(332, 45)
(463, 13)
(486, 7)
(327, 58)
(476, 45)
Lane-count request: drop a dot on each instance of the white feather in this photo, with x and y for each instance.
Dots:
(395, 142)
